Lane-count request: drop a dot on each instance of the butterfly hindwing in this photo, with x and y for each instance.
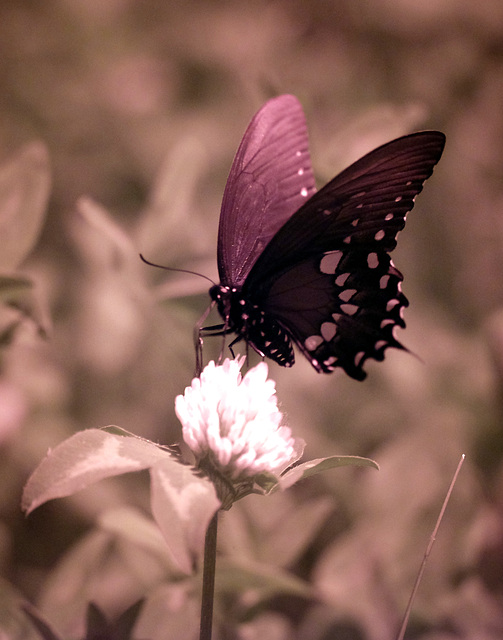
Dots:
(340, 310)
(270, 178)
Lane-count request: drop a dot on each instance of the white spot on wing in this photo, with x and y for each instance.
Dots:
(379, 235)
(380, 344)
(328, 331)
(340, 280)
(383, 282)
(347, 294)
(359, 357)
(389, 216)
(349, 309)
(392, 304)
(372, 260)
(303, 192)
(330, 262)
(312, 342)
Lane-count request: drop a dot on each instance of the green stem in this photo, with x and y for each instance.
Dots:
(210, 555)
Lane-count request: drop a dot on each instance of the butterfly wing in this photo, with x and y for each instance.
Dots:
(271, 178)
(327, 276)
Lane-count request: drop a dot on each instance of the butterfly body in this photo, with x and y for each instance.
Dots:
(259, 329)
(311, 267)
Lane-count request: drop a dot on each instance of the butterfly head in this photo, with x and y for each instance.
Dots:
(222, 296)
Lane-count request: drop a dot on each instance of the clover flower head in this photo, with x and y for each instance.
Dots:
(235, 420)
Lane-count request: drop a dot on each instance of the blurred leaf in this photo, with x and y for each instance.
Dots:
(162, 228)
(99, 628)
(134, 526)
(183, 505)
(18, 293)
(236, 576)
(14, 624)
(101, 239)
(260, 530)
(115, 303)
(312, 467)
(102, 568)
(24, 191)
(13, 288)
(43, 627)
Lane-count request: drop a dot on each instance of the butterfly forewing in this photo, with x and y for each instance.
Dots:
(365, 205)
(271, 177)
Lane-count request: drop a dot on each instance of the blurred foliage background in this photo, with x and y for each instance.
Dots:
(118, 124)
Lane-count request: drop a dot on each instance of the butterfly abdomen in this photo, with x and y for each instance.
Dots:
(259, 329)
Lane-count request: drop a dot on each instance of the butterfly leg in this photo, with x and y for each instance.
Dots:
(235, 341)
(198, 341)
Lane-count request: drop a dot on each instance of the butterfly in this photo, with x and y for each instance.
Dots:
(312, 268)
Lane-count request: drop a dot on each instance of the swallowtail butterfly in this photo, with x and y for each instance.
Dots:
(312, 268)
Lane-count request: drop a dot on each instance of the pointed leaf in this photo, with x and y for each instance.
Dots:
(85, 458)
(138, 529)
(183, 505)
(24, 191)
(19, 294)
(312, 467)
(265, 580)
(43, 627)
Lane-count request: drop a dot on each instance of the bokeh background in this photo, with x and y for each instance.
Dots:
(118, 124)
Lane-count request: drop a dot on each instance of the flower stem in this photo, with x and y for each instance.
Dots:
(210, 555)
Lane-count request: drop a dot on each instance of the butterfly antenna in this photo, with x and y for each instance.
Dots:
(160, 266)
(433, 536)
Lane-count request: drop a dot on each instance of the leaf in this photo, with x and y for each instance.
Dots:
(85, 458)
(162, 227)
(14, 623)
(24, 192)
(183, 505)
(19, 294)
(101, 240)
(312, 467)
(13, 288)
(237, 575)
(99, 628)
(43, 627)
(138, 529)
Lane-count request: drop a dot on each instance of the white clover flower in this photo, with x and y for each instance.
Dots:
(235, 421)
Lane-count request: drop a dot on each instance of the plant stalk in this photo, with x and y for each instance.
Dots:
(210, 555)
